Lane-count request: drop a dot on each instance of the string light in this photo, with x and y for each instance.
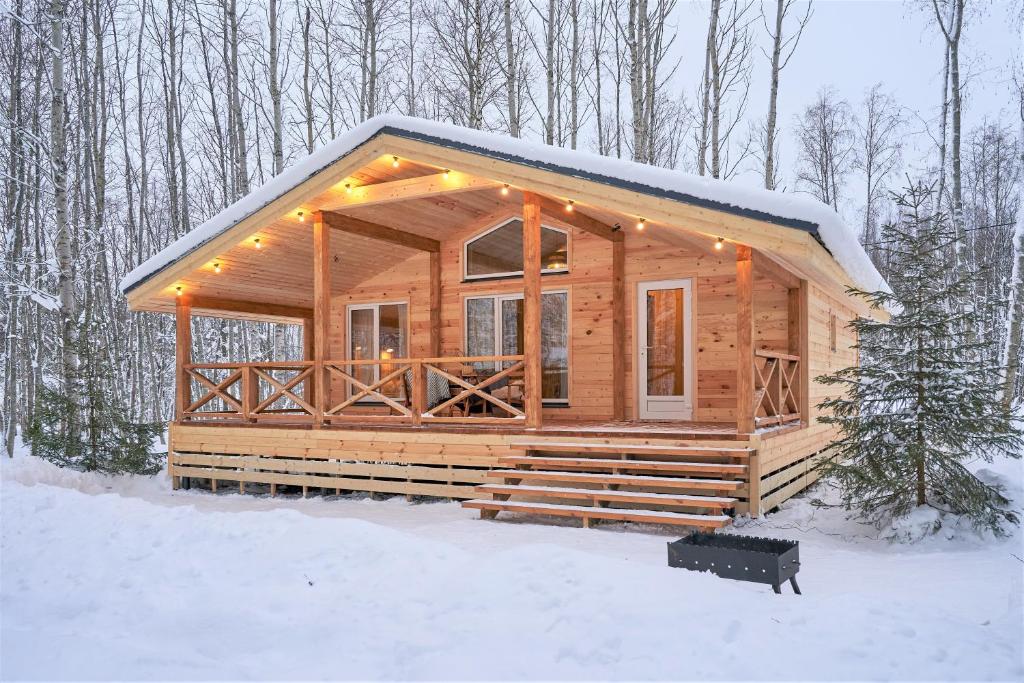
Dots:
(720, 243)
(504, 189)
(641, 224)
(177, 290)
(568, 206)
(348, 188)
(257, 243)
(447, 173)
(216, 266)
(302, 217)
(394, 162)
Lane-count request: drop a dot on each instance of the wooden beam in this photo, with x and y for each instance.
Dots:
(434, 275)
(619, 329)
(773, 270)
(321, 312)
(202, 305)
(355, 226)
(532, 309)
(577, 219)
(800, 344)
(408, 189)
(744, 339)
(182, 355)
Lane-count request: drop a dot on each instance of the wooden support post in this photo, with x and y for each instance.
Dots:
(532, 310)
(250, 392)
(799, 345)
(744, 339)
(619, 326)
(321, 314)
(754, 485)
(182, 355)
(435, 303)
(418, 400)
(309, 390)
(175, 480)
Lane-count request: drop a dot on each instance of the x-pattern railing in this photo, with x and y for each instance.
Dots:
(776, 383)
(285, 391)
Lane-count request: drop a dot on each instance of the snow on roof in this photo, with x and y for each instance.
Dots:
(785, 209)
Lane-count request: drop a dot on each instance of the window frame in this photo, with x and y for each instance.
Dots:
(497, 298)
(466, 277)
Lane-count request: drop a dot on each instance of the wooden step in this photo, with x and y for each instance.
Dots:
(587, 513)
(613, 464)
(595, 495)
(617, 449)
(620, 479)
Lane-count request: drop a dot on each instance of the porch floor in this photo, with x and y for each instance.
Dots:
(674, 429)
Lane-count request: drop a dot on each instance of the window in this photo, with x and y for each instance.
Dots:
(378, 332)
(499, 251)
(494, 326)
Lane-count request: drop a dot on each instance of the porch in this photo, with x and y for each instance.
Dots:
(500, 344)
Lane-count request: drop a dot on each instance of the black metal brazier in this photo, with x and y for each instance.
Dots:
(745, 558)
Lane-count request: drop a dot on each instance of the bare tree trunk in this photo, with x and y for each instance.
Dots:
(235, 97)
(65, 257)
(307, 95)
(275, 90)
(549, 72)
(510, 73)
(1015, 322)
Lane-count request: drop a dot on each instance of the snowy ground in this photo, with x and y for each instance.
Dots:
(121, 578)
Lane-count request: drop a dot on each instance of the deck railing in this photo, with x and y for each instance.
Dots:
(776, 387)
(451, 389)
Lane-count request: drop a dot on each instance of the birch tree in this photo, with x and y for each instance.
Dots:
(783, 48)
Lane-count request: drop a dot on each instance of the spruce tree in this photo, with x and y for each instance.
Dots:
(923, 401)
(103, 438)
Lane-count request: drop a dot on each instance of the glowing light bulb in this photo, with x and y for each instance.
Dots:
(641, 224)
(447, 173)
(257, 243)
(177, 291)
(720, 244)
(216, 266)
(348, 188)
(394, 162)
(302, 217)
(504, 189)
(569, 206)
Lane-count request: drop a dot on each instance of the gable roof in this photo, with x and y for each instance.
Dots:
(771, 207)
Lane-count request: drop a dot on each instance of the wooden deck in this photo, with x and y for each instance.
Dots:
(678, 429)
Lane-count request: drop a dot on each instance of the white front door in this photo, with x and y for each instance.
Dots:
(665, 369)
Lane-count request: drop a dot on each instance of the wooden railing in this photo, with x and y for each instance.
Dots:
(776, 387)
(400, 391)
(251, 391)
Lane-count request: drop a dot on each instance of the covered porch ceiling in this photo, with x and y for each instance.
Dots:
(395, 198)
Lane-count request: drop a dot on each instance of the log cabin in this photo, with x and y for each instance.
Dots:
(524, 328)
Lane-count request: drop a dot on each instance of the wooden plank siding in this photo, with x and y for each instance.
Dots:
(786, 462)
(590, 284)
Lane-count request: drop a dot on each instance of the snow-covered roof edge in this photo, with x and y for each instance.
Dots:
(784, 209)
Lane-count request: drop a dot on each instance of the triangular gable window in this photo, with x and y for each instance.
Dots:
(498, 252)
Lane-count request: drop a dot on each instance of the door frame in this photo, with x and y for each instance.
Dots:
(688, 400)
(375, 306)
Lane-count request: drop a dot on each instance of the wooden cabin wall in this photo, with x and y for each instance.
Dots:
(590, 331)
(787, 461)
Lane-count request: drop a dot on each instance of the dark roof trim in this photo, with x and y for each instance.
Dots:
(797, 224)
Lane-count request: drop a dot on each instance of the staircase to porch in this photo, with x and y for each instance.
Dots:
(694, 486)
